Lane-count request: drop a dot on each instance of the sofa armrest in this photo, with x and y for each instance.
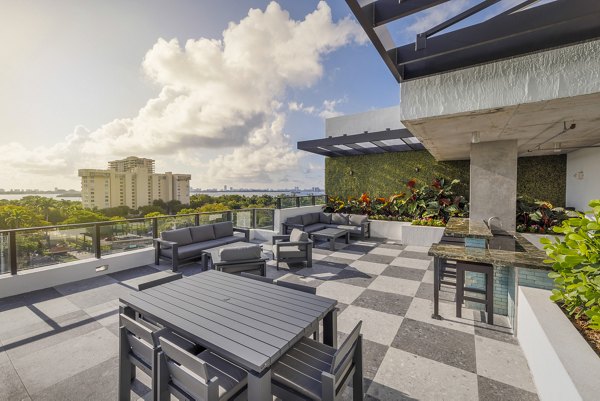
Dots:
(280, 238)
(280, 244)
(246, 232)
(287, 226)
(160, 241)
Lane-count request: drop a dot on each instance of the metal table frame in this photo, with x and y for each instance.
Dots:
(329, 235)
(248, 322)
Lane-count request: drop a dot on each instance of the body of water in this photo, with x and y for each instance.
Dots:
(53, 196)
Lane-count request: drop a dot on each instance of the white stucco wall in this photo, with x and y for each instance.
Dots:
(583, 177)
(558, 73)
(371, 121)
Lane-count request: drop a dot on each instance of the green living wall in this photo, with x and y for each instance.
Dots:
(387, 173)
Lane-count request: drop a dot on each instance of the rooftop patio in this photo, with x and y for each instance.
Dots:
(62, 342)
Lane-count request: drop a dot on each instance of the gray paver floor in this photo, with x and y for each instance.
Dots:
(61, 343)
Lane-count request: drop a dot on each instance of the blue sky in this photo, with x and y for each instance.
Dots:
(85, 82)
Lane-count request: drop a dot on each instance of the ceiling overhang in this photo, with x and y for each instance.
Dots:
(397, 140)
(515, 32)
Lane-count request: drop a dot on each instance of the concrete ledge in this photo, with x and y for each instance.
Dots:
(50, 276)
(406, 233)
(563, 365)
(387, 229)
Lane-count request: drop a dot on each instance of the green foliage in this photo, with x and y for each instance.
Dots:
(85, 216)
(434, 202)
(233, 202)
(543, 177)
(382, 175)
(536, 216)
(576, 263)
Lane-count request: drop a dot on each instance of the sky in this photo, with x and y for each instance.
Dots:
(219, 89)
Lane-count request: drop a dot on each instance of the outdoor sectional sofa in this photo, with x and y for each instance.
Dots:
(185, 244)
(355, 224)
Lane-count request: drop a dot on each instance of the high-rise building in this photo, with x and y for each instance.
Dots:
(131, 182)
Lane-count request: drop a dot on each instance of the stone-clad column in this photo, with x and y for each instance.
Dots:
(493, 187)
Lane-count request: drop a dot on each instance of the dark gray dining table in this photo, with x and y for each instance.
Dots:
(247, 322)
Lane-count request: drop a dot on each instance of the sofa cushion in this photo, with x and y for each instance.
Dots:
(191, 250)
(298, 236)
(202, 233)
(339, 218)
(325, 218)
(310, 218)
(358, 219)
(224, 229)
(315, 227)
(231, 239)
(243, 252)
(182, 236)
(294, 220)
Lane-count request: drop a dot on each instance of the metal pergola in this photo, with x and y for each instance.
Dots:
(520, 30)
(367, 143)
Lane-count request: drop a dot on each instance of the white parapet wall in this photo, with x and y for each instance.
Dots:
(406, 233)
(563, 365)
(583, 184)
(50, 276)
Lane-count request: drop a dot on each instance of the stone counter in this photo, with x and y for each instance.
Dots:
(466, 228)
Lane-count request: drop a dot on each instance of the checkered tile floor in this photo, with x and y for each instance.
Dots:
(61, 343)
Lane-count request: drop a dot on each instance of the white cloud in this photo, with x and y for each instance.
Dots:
(326, 110)
(220, 101)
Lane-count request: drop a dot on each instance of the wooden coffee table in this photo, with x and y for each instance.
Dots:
(331, 235)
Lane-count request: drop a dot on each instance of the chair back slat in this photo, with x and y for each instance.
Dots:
(140, 348)
(299, 287)
(136, 329)
(343, 357)
(257, 277)
(184, 358)
(185, 380)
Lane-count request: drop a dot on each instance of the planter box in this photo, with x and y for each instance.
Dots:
(563, 365)
(387, 229)
(405, 232)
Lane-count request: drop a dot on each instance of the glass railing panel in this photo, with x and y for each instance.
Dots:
(242, 218)
(123, 236)
(305, 200)
(265, 218)
(213, 217)
(320, 199)
(4, 266)
(173, 222)
(45, 247)
(288, 202)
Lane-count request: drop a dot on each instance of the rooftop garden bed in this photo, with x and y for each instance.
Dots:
(575, 259)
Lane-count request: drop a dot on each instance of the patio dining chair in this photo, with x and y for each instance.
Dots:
(202, 377)
(314, 371)
(139, 348)
(257, 277)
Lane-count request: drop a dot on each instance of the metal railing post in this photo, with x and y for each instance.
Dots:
(154, 227)
(230, 216)
(12, 252)
(314, 200)
(253, 222)
(278, 203)
(97, 250)
(197, 219)
(297, 201)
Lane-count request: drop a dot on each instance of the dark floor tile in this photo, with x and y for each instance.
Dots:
(338, 263)
(391, 246)
(386, 302)
(130, 274)
(354, 277)
(404, 272)
(425, 291)
(358, 248)
(341, 307)
(444, 345)
(492, 390)
(415, 255)
(377, 258)
(379, 391)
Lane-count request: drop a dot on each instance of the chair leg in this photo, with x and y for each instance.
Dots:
(126, 369)
(489, 296)
(460, 290)
(357, 382)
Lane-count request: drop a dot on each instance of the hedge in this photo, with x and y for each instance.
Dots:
(384, 174)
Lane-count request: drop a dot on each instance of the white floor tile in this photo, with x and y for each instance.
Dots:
(376, 326)
(395, 285)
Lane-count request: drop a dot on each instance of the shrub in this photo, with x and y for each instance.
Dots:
(535, 216)
(576, 263)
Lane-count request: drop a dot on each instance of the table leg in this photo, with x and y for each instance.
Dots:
(259, 386)
(330, 328)
(332, 243)
(437, 263)
(347, 237)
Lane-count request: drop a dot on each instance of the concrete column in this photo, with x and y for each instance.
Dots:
(493, 186)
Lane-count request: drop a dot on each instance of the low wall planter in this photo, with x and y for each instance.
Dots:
(387, 229)
(563, 365)
(406, 233)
